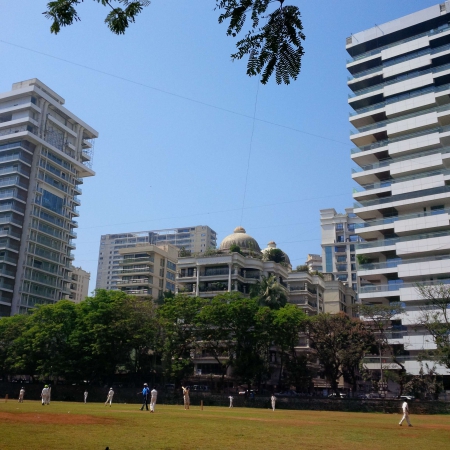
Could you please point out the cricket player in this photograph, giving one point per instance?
(186, 397)
(45, 395)
(154, 395)
(21, 394)
(145, 394)
(110, 397)
(405, 409)
(85, 396)
(231, 401)
(273, 399)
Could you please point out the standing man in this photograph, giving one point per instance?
(231, 401)
(45, 396)
(405, 409)
(154, 395)
(145, 394)
(273, 399)
(186, 397)
(21, 394)
(110, 397)
(85, 396)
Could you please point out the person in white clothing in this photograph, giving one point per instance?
(85, 396)
(231, 401)
(153, 396)
(186, 398)
(21, 394)
(405, 409)
(45, 395)
(110, 396)
(273, 399)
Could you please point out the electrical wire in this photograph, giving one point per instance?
(173, 94)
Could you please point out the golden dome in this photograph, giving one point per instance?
(240, 238)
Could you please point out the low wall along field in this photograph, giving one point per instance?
(132, 396)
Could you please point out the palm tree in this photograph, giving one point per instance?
(270, 292)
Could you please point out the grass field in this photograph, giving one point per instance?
(76, 426)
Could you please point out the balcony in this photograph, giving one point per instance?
(395, 240)
(6, 286)
(133, 281)
(8, 259)
(400, 197)
(138, 292)
(147, 259)
(378, 50)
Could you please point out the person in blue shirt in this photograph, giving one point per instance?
(145, 397)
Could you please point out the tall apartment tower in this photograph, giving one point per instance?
(45, 152)
(338, 244)
(195, 239)
(401, 101)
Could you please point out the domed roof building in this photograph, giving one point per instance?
(239, 237)
(271, 245)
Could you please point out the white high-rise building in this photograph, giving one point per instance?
(196, 239)
(45, 152)
(401, 101)
(338, 245)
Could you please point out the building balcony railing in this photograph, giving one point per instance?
(388, 359)
(383, 123)
(378, 50)
(133, 281)
(214, 272)
(368, 288)
(399, 261)
(138, 291)
(416, 176)
(8, 259)
(138, 269)
(7, 286)
(148, 259)
(400, 97)
(395, 240)
(392, 219)
(403, 77)
(405, 196)
(403, 137)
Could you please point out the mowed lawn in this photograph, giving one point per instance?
(77, 426)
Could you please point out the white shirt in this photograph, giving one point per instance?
(22, 391)
(110, 393)
(405, 407)
(154, 393)
(45, 392)
(86, 394)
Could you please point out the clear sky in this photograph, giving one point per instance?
(164, 158)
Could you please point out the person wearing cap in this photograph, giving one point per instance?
(21, 394)
(45, 395)
(110, 396)
(145, 394)
(154, 395)
(85, 396)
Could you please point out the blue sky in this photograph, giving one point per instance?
(165, 160)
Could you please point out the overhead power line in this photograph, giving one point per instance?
(173, 94)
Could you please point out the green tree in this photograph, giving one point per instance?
(177, 319)
(435, 317)
(269, 292)
(251, 327)
(289, 324)
(275, 46)
(46, 346)
(215, 331)
(12, 358)
(275, 255)
(340, 343)
(379, 319)
(113, 331)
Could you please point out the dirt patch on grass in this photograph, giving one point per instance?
(55, 419)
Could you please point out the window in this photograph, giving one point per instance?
(351, 226)
(353, 267)
(171, 265)
(329, 259)
(339, 249)
(162, 262)
(341, 258)
(171, 276)
(354, 238)
(339, 226)
(340, 239)
(170, 286)
(52, 202)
